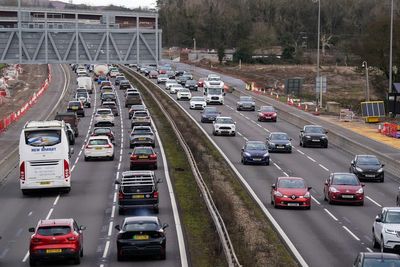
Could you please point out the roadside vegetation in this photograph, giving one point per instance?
(254, 239)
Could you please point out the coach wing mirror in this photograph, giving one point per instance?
(273, 186)
(326, 132)
(165, 225)
(378, 218)
(31, 230)
(117, 227)
(352, 162)
(223, 93)
(326, 182)
(117, 182)
(309, 188)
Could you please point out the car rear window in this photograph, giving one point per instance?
(141, 114)
(291, 183)
(128, 189)
(98, 142)
(141, 226)
(104, 111)
(53, 230)
(143, 151)
(102, 131)
(74, 104)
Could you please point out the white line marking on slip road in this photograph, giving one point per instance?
(373, 201)
(323, 167)
(301, 152)
(310, 158)
(110, 227)
(286, 174)
(56, 200)
(106, 249)
(351, 233)
(369, 250)
(330, 214)
(316, 201)
(277, 166)
(26, 257)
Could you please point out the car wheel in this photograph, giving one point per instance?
(234, 134)
(308, 207)
(238, 109)
(381, 245)
(375, 243)
(163, 254)
(155, 167)
(258, 118)
(244, 161)
(73, 142)
(25, 192)
(397, 201)
(121, 212)
(89, 106)
(382, 180)
(120, 257)
(267, 163)
(326, 145)
(300, 143)
(112, 158)
(86, 159)
(214, 133)
(81, 252)
(131, 167)
(361, 203)
(325, 199)
(32, 262)
(156, 209)
(131, 146)
(272, 200)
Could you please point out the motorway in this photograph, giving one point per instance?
(92, 202)
(326, 235)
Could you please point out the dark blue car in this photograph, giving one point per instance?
(255, 152)
(209, 114)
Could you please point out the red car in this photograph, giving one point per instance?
(200, 82)
(290, 192)
(106, 131)
(344, 188)
(56, 239)
(143, 156)
(267, 113)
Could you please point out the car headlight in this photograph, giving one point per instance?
(333, 189)
(307, 136)
(246, 154)
(359, 169)
(360, 191)
(307, 195)
(323, 137)
(272, 144)
(380, 170)
(289, 144)
(278, 194)
(266, 155)
(390, 231)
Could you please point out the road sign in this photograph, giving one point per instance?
(293, 85)
(320, 81)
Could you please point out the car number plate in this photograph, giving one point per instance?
(142, 138)
(44, 183)
(138, 196)
(257, 159)
(55, 250)
(370, 175)
(143, 157)
(140, 237)
(347, 196)
(315, 140)
(293, 204)
(280, 146)
(74, 108)
(99, 148)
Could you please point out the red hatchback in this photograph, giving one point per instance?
(267, 113)
(290, 192)
(56, 239)
(143, 156)
(343, 188)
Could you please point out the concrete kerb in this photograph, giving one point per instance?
(348, 145)
(10, 161)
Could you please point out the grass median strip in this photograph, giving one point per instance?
(202, 241)
(255, 241)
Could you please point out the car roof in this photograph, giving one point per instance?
(141, 218)
(98, 137)
(378, 255)
(366, 156)
(392, 208)
(52, 222)
(141, 127)
(290, 178)
(108, 109)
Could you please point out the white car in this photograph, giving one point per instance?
(114, 73)
(99, 147)
(386, 229)
(169, 83)
(130, 90)
(175, 88)
(162, 78)
(197, 102)
(184, 94)
(103, 116)
(224, 126)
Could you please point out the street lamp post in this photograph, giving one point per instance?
(391, 48)
(318, 43)
(365, 65)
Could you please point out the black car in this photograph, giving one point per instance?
(209, 114)
(77, 107)
(279, 142)
(191, 85)
(182, 79)
(377, 259)
(255, 152)
(124, 84)
(108, 96)
(246, 103)
(71, 118)
(111, 105)
(367, 167)
(313, 135)
(141, 236)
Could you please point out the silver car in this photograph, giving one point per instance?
(140, 117)
(141, 136)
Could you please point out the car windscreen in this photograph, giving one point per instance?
(344, 179)
(392, 217)
(291, 183)
(367, 161)
(256, 146)
(267, 109)
(381, 262)
(224, 121)
(140, 226)
(53, 230)
(184, 91)
(279, 137)
(317, 130)
(43, 138)
(98, 142)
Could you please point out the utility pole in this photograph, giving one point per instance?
(391, 48)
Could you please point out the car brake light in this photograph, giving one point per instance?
(66, 169)
(120, 195)
(36, 240)
(88, 147)
(22, 171)
(155, 194)
(108, 146)
(153, 156)
(134, 156)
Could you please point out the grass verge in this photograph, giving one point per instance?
(253, 236)
(202, 242)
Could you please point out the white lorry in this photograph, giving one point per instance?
(85, 82)
(214, 90)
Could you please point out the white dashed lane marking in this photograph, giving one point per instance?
(373, 201)
(316, 201)
(351, 233)
(323, 167)
(330, 214)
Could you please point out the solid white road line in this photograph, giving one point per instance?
(106, 249)
(310, 158)
(351, 233)
(373, 201)
(313, 198)
(49, 214)
(369, 250)
(330, 214)
(277, 166)
(56, 200)
(26, 257)
(323, 167)
(301, 152)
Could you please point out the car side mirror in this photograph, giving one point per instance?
(352, 163)
(31, 230)
(326, 182)
(290, 139)
(383, 165)
(326, 132)
(117, 182)
(165, 225)
(129, 153)
(117, 227)
(362, 185)
(223, 93)
(301, 131)
(273, 186)
(378, 218)
(309, 188)
(242, 149)
(82, 227)
(71, 150)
